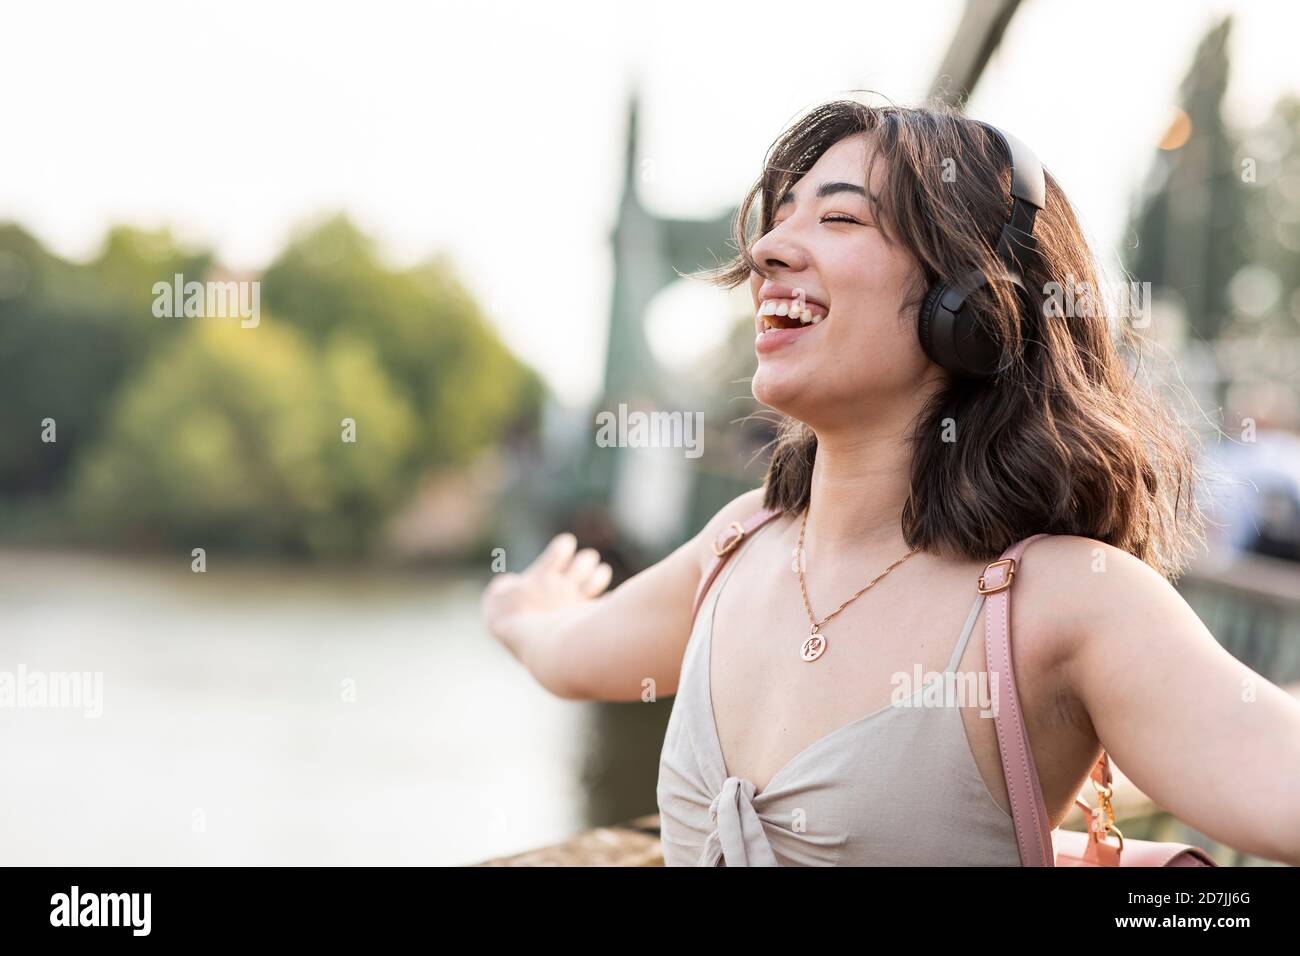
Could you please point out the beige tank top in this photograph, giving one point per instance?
(897, 787)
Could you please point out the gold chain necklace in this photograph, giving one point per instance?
(814, 646)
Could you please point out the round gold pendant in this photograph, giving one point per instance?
(813, 647)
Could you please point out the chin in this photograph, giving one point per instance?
(781, 390)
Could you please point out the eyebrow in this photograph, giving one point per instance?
(827, 189)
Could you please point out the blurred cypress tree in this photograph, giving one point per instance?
(1189, 221)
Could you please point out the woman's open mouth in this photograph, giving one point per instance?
(780, 321)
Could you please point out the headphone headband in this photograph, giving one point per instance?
(949, 334)
(1027, 182)
(1028, 192)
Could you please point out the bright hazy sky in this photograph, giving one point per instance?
(495, 130)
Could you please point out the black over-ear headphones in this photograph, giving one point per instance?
(950, 332)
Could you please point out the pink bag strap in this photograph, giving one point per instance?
(725, 546)
(1028, 812)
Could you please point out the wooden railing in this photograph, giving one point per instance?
(635, 843)
(1252, 608)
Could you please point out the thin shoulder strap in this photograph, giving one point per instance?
(725, 546)
(1028, 812)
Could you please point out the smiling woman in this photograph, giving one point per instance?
(935, 414)
(1050, 444)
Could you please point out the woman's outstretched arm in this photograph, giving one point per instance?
(582, 642)
(1200, 733)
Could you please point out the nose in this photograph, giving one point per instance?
(780, 248)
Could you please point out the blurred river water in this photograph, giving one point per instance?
(269, 715)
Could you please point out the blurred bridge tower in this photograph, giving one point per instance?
(649, 492)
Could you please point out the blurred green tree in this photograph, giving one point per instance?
(429, 334)
(199, 432)
(69, 336)
(235, 440)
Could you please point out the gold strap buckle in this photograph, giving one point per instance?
(1009, 564)
(731, 543)
(1103, 816)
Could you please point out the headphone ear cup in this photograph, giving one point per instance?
(925, 325)
(950, 333)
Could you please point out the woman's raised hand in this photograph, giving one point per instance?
(584, 642)
(560, 577)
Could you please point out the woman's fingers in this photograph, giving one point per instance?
(557, 554)
(583, 569)
(599, 580)
(583, 563)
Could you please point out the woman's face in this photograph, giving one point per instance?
(861, 354)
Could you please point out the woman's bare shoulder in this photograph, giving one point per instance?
(1068, 585)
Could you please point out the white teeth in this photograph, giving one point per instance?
(775, 307)
(787, 307)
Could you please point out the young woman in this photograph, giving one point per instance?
(893, 469)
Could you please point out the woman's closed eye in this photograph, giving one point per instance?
(832, 217)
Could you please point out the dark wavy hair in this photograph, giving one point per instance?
(1067, 439)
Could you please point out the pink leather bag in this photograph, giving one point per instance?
(1033, 836)
(1071, 848)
